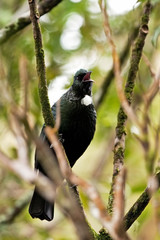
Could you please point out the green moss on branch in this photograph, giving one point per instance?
(40, 63)
(141, 203)
(134, 64)
(103, 235)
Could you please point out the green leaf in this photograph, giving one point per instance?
(155, 37)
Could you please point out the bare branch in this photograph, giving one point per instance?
(119, 80)
(103, 159)
(19, 135)
(100, 95)
(24, 77)
(152, 91)
(22, 170)
(119, 204)
(150, 153)
(149, 65)
(71, 207)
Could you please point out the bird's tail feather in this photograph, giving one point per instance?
(41, 208)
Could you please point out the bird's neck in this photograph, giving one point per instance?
(79, 95)
(81, 99)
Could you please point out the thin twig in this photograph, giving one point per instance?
(151, 93)
(146, 60)
(155, 86)
(20, 136)
(119, 80)
(103, 158)
(100, 95)
(150, 153)
(24, 77)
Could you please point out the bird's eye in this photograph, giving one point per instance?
(80, 77)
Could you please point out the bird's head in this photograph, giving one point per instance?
(82, 84)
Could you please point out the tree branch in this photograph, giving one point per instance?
(138, 207)
(43, 91)
(119, 204)
(44, 7)
(74, 210)
(28, 175)
(119, 146)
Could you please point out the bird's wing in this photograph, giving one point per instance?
(46, 141)
(39, 206)
(38, 151)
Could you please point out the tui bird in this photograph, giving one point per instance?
(77, 127)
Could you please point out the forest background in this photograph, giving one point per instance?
(73, 38)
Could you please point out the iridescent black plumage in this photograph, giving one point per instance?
(78, 121)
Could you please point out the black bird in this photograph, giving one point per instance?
(77, 127)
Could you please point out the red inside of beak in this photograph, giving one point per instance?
(87, 77)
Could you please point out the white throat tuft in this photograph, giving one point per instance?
(87, 100)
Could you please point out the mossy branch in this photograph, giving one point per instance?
(134, 64)
(10, 30)
(138, 207)
(119, 147)
(40, 64)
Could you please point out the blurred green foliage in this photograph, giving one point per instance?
(73, 38)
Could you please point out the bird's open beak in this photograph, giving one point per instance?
(87, 78)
